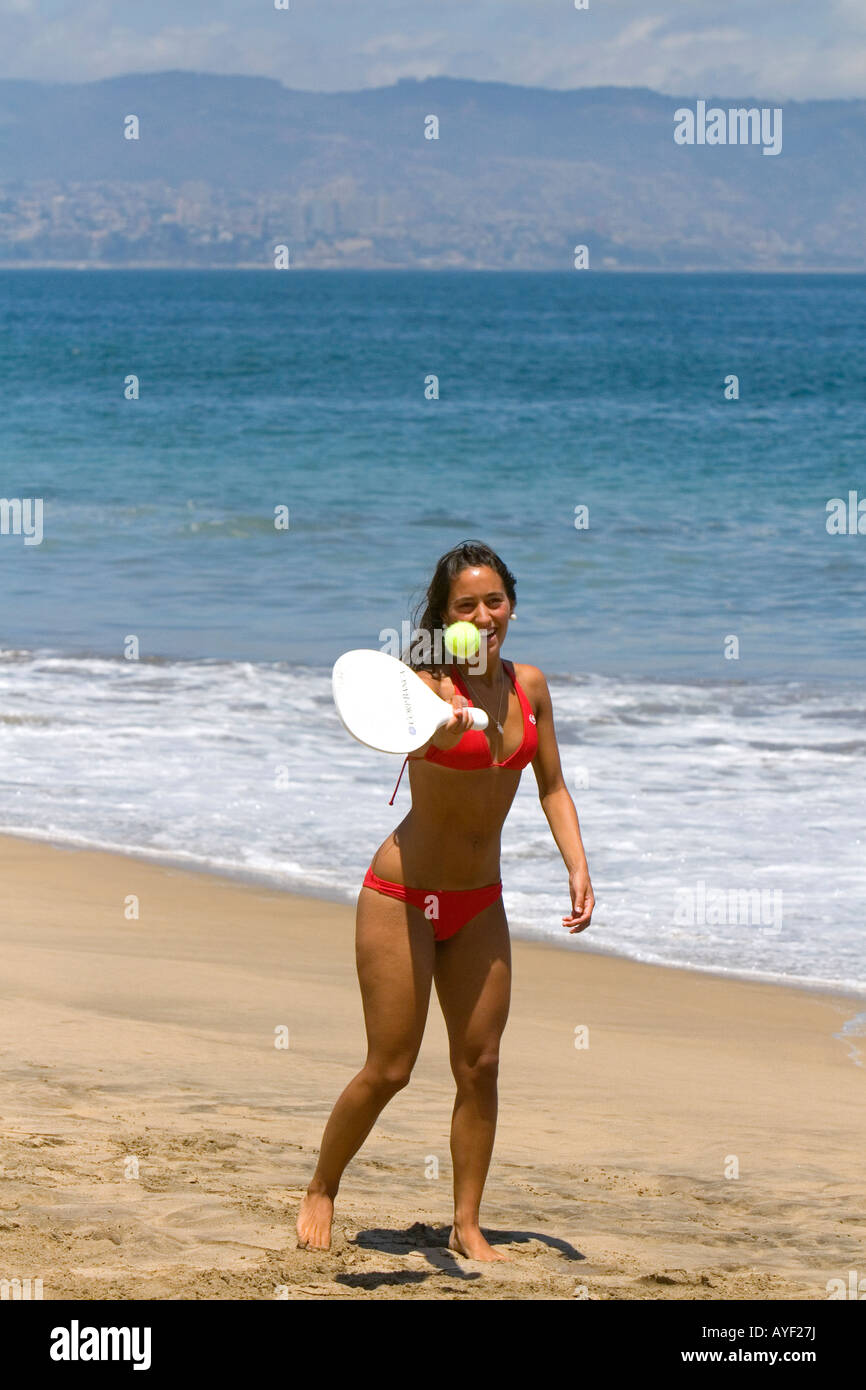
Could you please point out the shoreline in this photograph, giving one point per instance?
(256, 879)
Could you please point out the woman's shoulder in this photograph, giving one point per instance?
(531, 680)
(530, 677)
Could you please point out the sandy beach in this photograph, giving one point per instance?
(156, 1142)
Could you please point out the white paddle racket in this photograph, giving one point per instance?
(385, 705)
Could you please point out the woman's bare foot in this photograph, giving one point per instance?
(314, 1221)
(468, 1241)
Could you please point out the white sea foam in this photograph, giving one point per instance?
(245, 768)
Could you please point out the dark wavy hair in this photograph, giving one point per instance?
(430, 613)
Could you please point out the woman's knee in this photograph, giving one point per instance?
(389, 1075)
(478, 1071)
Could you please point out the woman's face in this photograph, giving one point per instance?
(477, 596)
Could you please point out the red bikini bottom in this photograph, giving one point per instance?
(448, 910)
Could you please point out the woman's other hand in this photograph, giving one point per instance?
(582, 900)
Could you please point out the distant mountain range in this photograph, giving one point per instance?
(227, 168)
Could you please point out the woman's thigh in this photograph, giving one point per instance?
(395, 952)
(473, 982)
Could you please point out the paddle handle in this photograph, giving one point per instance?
(479, 718)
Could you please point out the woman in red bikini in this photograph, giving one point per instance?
(430, 909)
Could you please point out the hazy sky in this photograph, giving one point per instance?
(772, 48)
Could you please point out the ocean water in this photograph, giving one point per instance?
(721, 800)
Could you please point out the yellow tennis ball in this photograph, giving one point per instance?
(462, 640)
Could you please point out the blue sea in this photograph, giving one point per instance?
(704, 636)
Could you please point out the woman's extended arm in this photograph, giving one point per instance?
(558, 806)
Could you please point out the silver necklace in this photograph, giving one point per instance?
(499, 708)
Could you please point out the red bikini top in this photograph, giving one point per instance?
(472, 753)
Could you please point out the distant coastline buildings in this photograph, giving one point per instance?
(226, 168)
